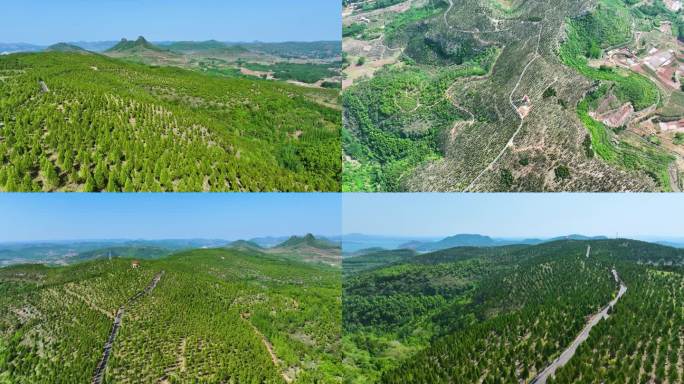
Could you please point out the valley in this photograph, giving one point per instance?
(480, 95)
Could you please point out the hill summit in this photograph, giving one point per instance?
(309, 240)
(245, 245)
(65, 47)
(139, 44)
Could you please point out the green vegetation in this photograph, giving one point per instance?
(317, 50)
(210, 319)
(562, 172)
(73, 122)
(678, 138)
(503, 314)
(371, 5)
(398, 25)
(635, 157)
(64, 47)
(607, 26)
(374, 259)
(549, 92)
(207, 47)
(641, 341)
(396, 121)
(353, 29)
(306, 73)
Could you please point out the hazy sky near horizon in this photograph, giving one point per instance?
(45, 22)
(515, 215)
(230, 216)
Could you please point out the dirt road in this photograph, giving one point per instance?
(102, 365)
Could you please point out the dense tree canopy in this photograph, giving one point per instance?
(104, 125)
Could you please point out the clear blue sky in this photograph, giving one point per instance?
(515, 215)
(230, 216)
(46, 22)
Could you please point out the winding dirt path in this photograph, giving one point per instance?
(269, 347)
(583, 336)
(98, 375)
(510, 142)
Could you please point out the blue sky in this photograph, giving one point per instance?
(230, 216)
(515, 215)
(49, 21)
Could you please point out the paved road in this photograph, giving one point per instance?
(102, 365)
(570, 351)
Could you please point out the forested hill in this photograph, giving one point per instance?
(502, 314)
(73, 122)
(214, 316)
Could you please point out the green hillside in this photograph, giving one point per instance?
(499, 96)
(500, 315)
(72, 122)
(206, 47)
(64, 47)
(212, 317)
(374, 259)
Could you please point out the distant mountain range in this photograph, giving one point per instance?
(473, 240)
(310, 50)
(69, 252)
(356, 244)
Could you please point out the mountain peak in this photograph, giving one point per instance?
(308, 240)
(129, 45)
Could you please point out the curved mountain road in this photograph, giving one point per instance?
(584, 335)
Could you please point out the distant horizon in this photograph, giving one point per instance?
(168, 41)
(124, 239)
(518, 237)
(342, 237)
(66, 217)
(515, 215)
(170, 20)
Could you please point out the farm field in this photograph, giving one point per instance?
(128, 120)
(565, 311)
(233, 314)
(487, 95)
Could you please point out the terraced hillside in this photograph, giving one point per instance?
(212, 315)
(508, 314)
(487, 95)
(85, 122)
